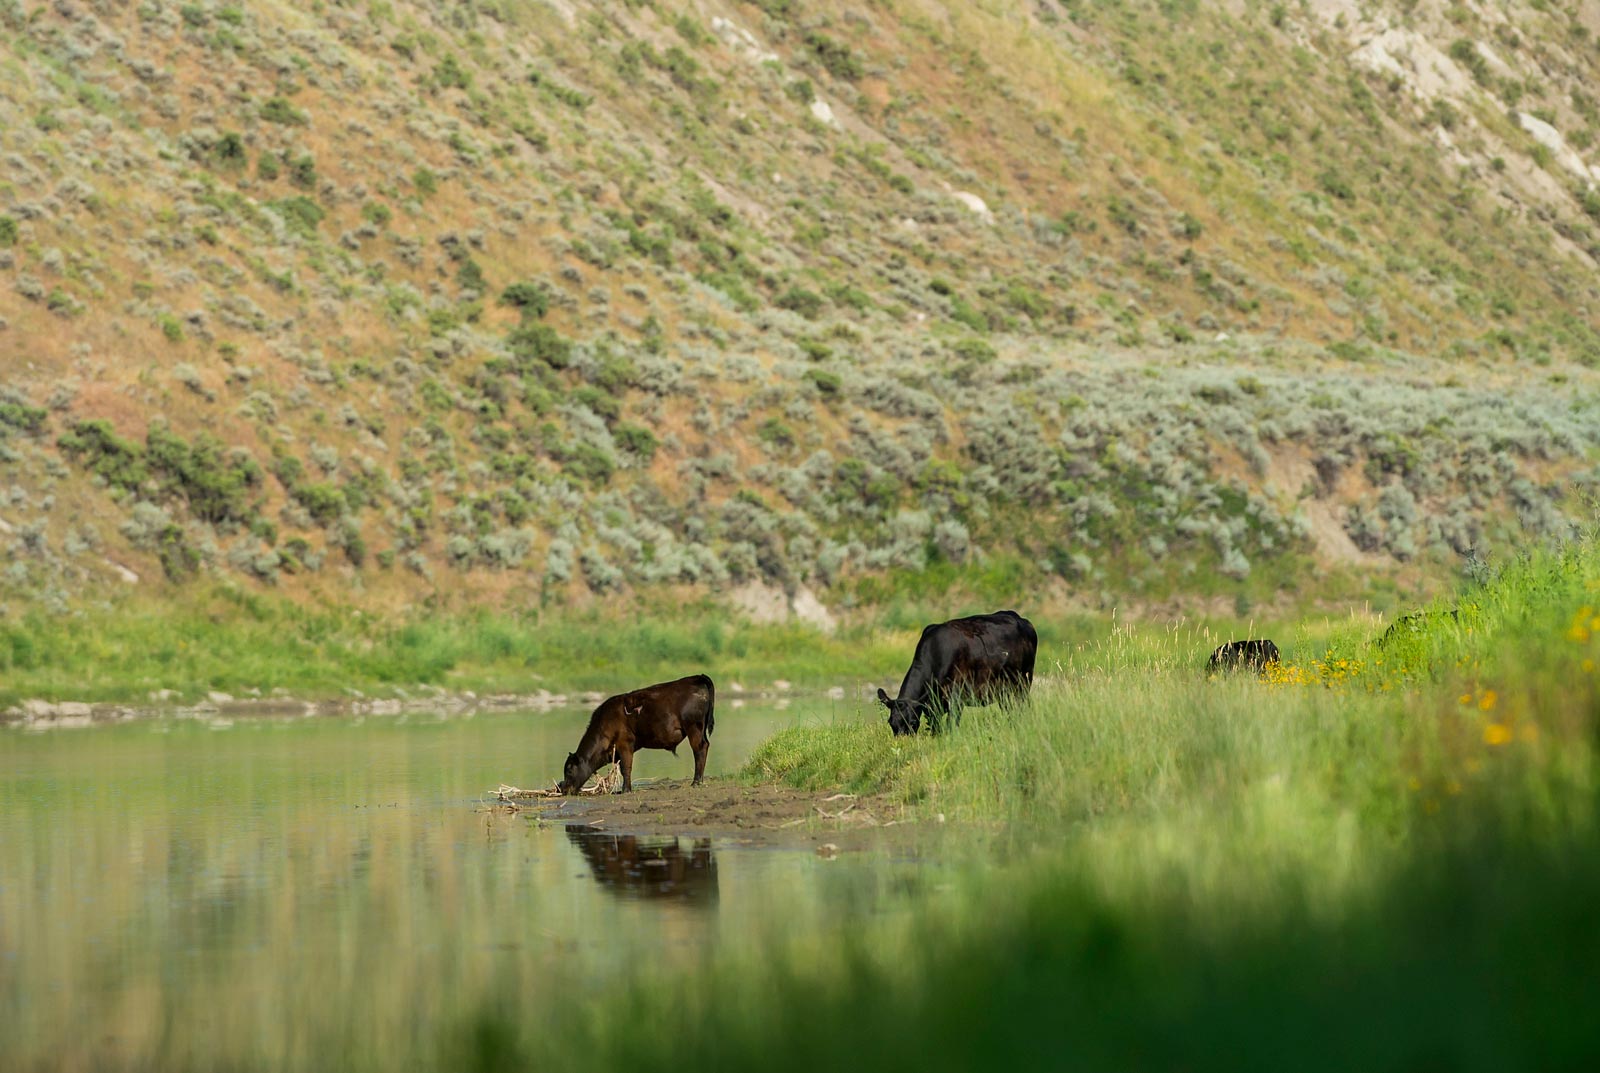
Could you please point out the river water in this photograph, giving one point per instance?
(178, 890)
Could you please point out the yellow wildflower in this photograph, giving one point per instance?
(1496, 734)
(1466, 698)
(1486, 702)
(1583, 623)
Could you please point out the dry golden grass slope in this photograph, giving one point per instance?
(528, 301)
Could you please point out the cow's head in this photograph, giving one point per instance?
(573, 776)
(903, 715)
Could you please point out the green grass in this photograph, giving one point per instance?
(1341, 707)
(1386, 866)
(224, 638)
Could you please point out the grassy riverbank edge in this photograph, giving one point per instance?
(258, 648)
(262, 648)
(1522, 624)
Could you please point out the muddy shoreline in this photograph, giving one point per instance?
(764, 814)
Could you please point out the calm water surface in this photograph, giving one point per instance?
(177, 890)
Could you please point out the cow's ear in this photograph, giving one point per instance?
(883, 698)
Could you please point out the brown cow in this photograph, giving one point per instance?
(655, 717)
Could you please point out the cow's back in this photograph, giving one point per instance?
(665, 714)
(1005, 634)
(981, 650)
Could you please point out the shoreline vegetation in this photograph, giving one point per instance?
(258, 650)
(1531, 621)
(265, 650)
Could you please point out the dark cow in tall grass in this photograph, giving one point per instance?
(656, 717)
(1418, 624)
(977, 660)
(1255, 656)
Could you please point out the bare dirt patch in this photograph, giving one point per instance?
(1328, 532)
(754, 814)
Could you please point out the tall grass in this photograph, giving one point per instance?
(1233, 786)
(1131, 721)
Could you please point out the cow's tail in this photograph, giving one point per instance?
(711, 703)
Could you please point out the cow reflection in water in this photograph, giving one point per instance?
(649, 867)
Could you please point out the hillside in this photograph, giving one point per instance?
(523, 302)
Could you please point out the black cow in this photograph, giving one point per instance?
(1240, 655)
(1418, 623)
(976, 660)
(655, 717)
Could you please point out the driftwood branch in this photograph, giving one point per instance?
(510, 797)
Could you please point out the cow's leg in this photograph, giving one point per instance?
(700, 742)
(625, 762)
